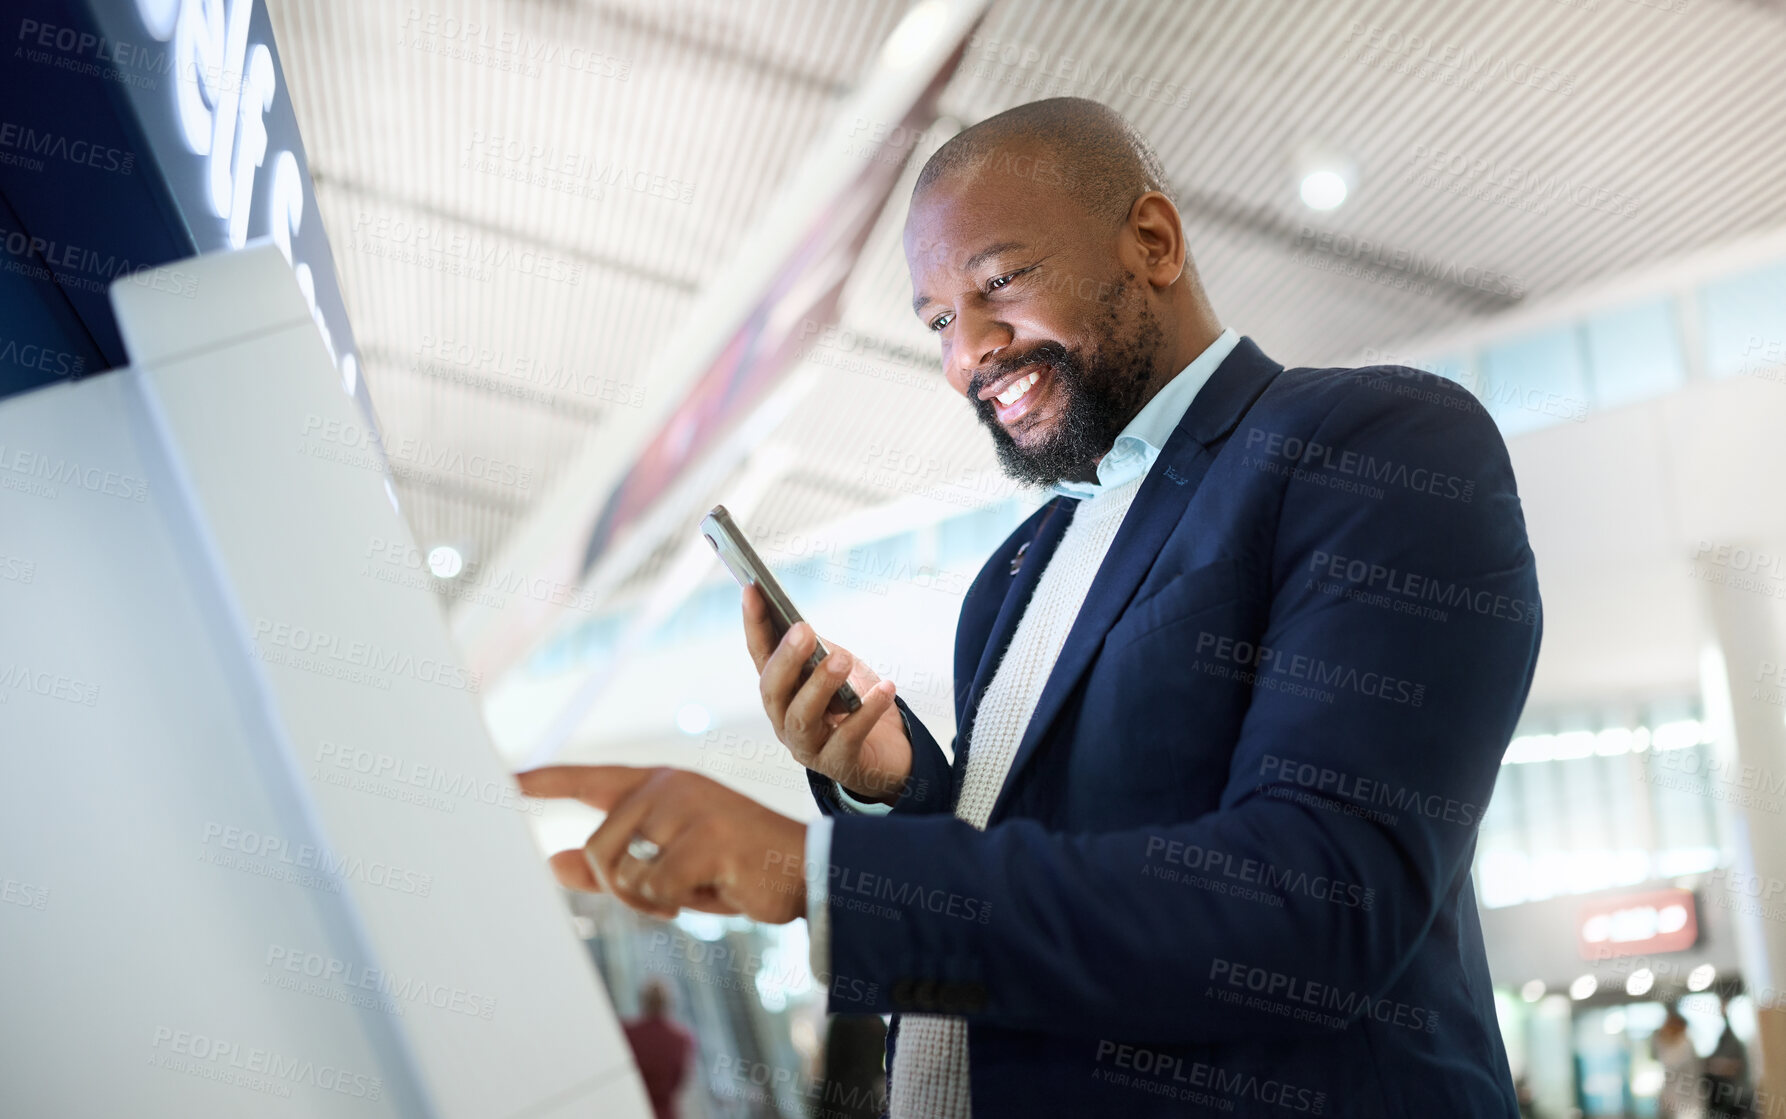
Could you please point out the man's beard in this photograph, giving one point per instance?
(1097, 394)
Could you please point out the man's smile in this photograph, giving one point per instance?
(1017, 395)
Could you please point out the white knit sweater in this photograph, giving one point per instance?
(930, 1078)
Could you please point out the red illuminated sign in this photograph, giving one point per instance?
(1638, 924)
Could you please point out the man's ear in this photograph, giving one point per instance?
(1157, 237)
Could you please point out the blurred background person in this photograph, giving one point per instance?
(1680, 1063)
(1727, 1073)
(662, 1047)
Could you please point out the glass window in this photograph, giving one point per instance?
(1546, 810)
(1634, 353)
(1501, 845)
(964, 542)
(1535, 381)
(1681, 794)
(1745, 327)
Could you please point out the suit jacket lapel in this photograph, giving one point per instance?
(1158, 507)
(1051, 525)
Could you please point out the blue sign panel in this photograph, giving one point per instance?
(134, 133)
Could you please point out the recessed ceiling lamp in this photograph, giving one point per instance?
(1323, 190)
(692, 718)
(1325, 178)
(446, 562)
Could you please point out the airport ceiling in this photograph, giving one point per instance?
(1498, 154)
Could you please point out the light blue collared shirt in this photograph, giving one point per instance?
(1133, 454)
(1139, 443)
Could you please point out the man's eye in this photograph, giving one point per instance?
(941, 321)
(1000, 281)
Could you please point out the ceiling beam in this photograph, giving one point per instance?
(788, 269)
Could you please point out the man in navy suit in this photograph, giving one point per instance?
(1204, 845)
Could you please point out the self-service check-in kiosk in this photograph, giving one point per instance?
(258, 855)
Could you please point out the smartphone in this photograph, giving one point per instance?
(747, 567)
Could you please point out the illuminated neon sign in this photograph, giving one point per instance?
(1639, 924)
(224, 84)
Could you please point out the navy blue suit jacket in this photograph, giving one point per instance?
(1229, 870)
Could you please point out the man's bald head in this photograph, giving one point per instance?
(1105, 164)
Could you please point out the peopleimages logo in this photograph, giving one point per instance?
(1310, 455)
(117, 60)
(569, 172)
(758, 1082)
(719, 964)
(1406, 262)
(1171, 1076)
(29, 355)
(515, 374)
(72, 266)
(24, 894)
(409, 780)
(398, 556)
(85, 153)
(1502, 180)
(16, 570)
(331, 970)
(1293, 996)
(330, 654)
(15, 677)
(1242, 872)
(255, 1067)
(1367, 576)
(468, 40)
(409, 457)
(239, 848)
(41, 472)
(1260, 663)
(1364, 790)
(1463, 61)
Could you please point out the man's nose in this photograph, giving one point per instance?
(978, 343)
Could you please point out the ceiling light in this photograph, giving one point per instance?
(1533, 991)
(1324, 176)
(1583, 987)
(446, 562)
(1573, 744)
(1530, 748)
(1640, 982)
(1323, 190)
(692, 718)
(916, 34)
(1679, 735)
(1701, 977)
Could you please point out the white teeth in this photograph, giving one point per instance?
(1018, 388)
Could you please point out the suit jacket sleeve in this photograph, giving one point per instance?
(926, 791)
(1378, 787)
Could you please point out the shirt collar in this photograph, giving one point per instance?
(1139, 444)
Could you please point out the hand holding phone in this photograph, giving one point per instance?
(865, 748)
(749, 569)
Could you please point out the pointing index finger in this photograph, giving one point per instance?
(599, 786)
